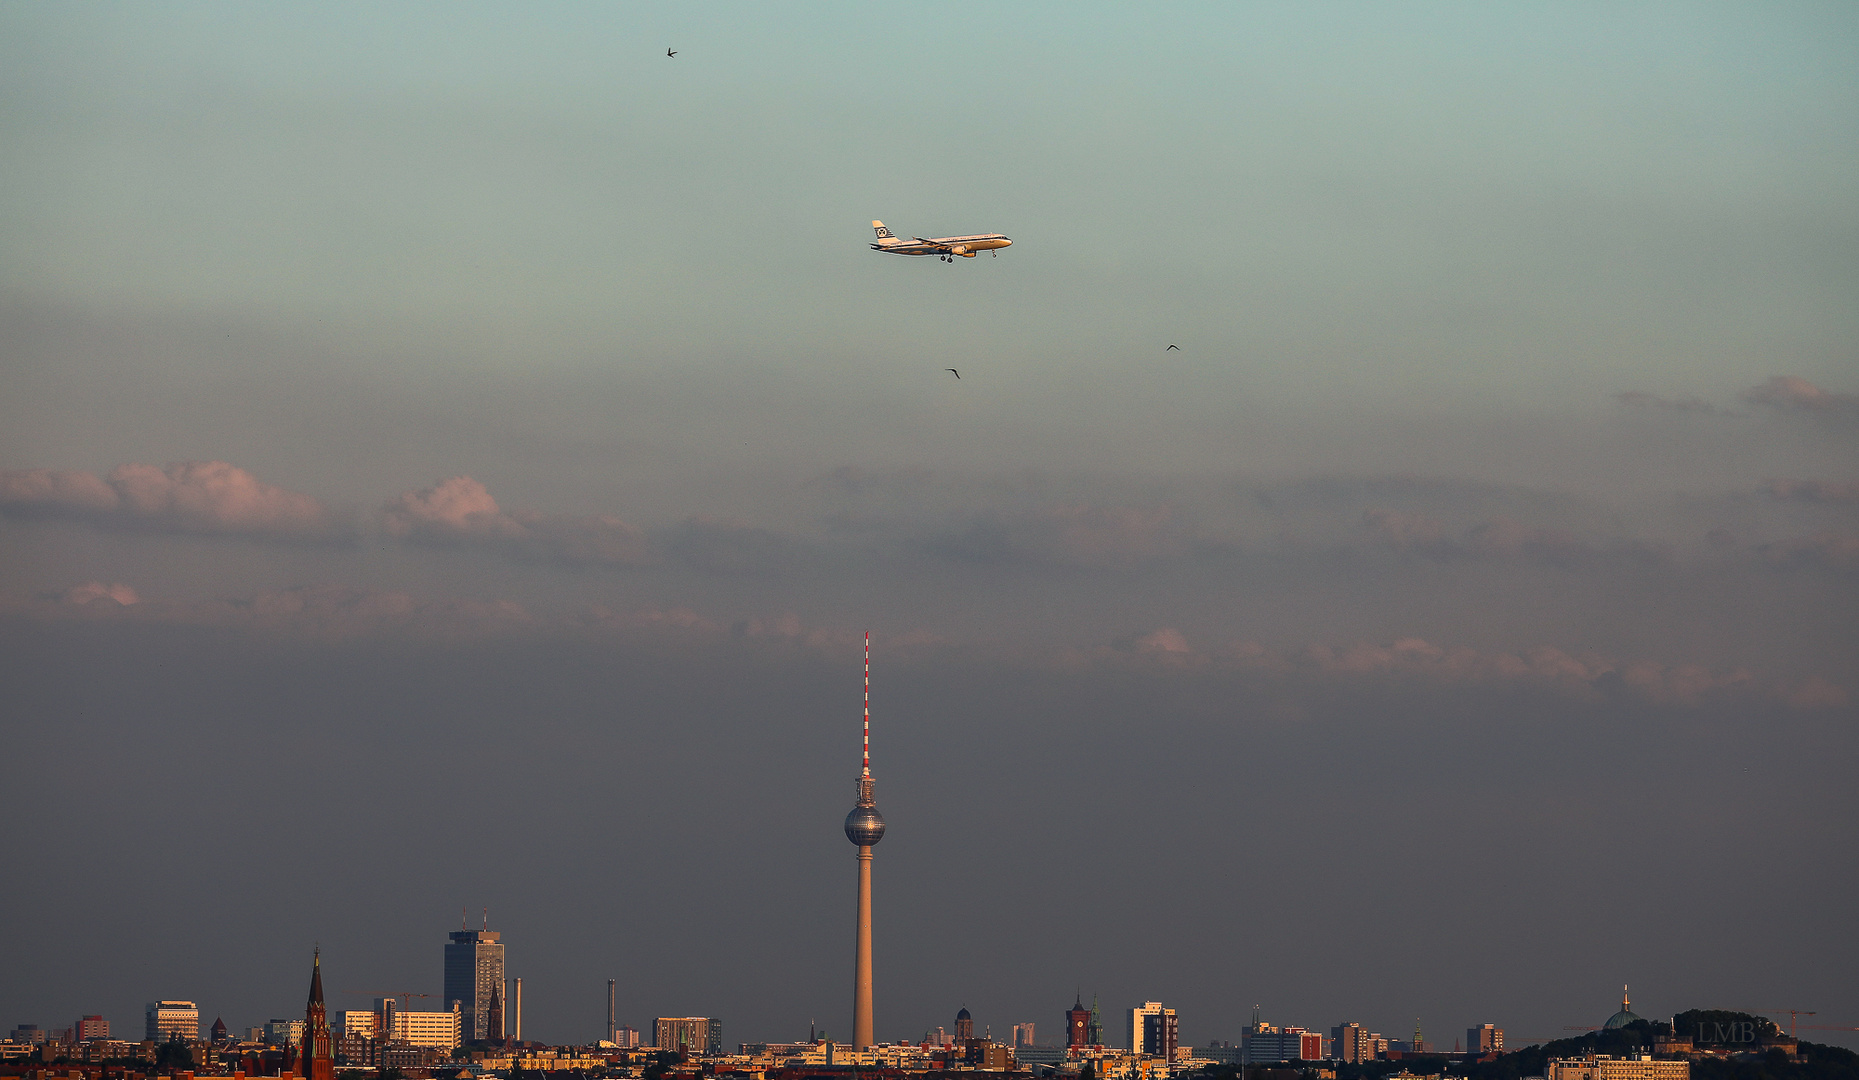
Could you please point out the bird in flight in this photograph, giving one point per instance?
(953, 372)
(1177, 348)
(671, 52)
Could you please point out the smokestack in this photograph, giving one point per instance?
(610, 1029)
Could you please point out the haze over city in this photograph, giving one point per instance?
(450, 456)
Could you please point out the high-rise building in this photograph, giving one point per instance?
(167, 1020)
(864, 827)
(1023, 1035)
(285, 1032)
(1077, 1024)
(360, 1023)
(1137, 1017)
(625, 1037)
(1154, 1030)
(473, 970)
(689, 1034)
(319, 1059)
(1353, 1043)
(91, 1027)
(1484, 1039)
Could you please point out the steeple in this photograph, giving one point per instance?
(318, 1059)
(316, 978)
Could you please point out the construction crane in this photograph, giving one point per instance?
(1792, 1013)
(403, 995)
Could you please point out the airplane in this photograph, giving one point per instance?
(946, 248)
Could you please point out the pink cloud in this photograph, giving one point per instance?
(206, 497)
(461, 511)
(1791, 392)
(116, 592)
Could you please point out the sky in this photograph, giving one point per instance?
(450, 454)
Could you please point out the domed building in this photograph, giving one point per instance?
(1624, 1017)
(964, 1025)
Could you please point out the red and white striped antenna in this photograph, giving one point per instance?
(866, 770)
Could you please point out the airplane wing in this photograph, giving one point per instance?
(932, 243)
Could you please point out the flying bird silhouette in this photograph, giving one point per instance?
(1177, 348)
(671, 52)
(953, 372)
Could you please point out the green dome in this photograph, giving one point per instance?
(1624, 1017)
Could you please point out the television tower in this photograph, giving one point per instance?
(864, 827)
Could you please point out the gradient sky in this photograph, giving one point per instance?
(448, 455)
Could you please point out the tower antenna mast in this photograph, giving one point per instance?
(865, 770)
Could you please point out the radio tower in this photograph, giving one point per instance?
(864, 827)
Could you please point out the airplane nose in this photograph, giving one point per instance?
(1006, 242)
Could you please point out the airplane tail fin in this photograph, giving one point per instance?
(883, 233)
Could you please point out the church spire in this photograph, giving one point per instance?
(316, 978)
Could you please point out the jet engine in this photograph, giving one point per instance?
(961, 250)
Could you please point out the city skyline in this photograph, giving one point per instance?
(453, 455)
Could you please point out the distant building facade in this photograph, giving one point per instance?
(625, 1038)
(91, 1027)
(473, 973)
(688, 1034)
(964, 1025)
(1264, 1043)
(1138, 1018)
(1484, 1039)
(165, 1020)
(283, 1032)
(1602, 1067)
(443, 1030)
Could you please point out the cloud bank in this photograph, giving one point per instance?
(199, 497)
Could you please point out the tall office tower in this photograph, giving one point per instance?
(1077, 1024)
(610, 1031)
(171, 1020)
(473, 966)
(625, 1037)
(1484, 1039)
(964, 1025)
(319, 1059)
(1137, 1016)
(1352, 1043)
(864, 827)
(1023, 1035)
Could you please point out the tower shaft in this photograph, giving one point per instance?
(861, 966)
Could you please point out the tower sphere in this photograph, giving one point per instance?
(864, 826)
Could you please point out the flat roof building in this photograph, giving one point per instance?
(167, 1019)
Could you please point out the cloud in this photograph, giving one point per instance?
(202, 497)
(117, 593)
(1584, 673)
(1827, 548)
(1499, 538)
(1640, 399)
(1818, 491)
(1075, 534)
(460, 511)
(1790, 392)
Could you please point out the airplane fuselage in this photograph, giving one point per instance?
(946, 247)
